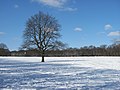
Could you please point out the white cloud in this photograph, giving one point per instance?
(2, 33)
(108, 27)
(16, 6)
(53, 3)
(69, 9)
(78, 29)
(56, 3)
(117, 33)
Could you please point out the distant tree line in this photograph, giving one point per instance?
(103, 50)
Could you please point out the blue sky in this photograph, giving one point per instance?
(84, 22)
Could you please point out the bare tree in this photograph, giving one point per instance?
(3, 46)
(42, 32)
(4, 51)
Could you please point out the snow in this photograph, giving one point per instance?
(60, 73)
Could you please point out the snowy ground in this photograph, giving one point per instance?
(60, 73)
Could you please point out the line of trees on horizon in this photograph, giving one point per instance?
(103, 50)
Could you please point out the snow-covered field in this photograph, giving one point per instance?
(60, 73)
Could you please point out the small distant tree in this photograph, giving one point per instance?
(3, 46)
(4, 51)
(42, 32)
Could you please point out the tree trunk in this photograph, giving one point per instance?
(43, 57)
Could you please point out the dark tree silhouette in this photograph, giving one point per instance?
(4, 51)
(3, 46)
(42, 32)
